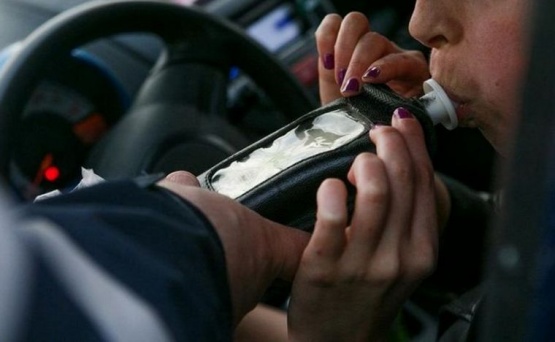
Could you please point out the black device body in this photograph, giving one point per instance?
(289, 197)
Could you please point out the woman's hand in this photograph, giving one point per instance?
(354, 276)
(350, 54)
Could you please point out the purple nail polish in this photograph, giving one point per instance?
(328, 61)
(352, 85)
(373, 72)
(402, 113)
(341, 76)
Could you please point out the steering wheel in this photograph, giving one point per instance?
(181, 105)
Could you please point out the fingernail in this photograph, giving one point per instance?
(373, 72)
(402, 113)
(352, 85)
(341, 76)
(329, 61)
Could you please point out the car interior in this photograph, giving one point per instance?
(132, 87)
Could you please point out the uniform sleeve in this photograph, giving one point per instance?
(124, 261)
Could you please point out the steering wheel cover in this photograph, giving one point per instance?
(85, 23)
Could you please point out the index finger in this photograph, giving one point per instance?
(326, 36)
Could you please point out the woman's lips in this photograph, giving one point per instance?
(460, 104)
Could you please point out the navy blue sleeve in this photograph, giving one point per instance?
(159, 247)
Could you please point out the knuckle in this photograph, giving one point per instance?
(374, 39)
(321, 278)
(328, 28)
(403, 57)
(325, 37)
(354, 276)
(387, 271)
(383, 135)
(422, 265)
(327, 219)
(356, 18)
(374, 192)
(332, 18)
(389, 132)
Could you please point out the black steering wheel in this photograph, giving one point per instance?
(181, 106)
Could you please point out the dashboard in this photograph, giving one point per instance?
(72, 108)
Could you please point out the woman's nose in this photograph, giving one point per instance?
(433, 24)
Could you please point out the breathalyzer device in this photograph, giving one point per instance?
(278, 176)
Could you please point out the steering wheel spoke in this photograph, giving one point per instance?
(189, 76)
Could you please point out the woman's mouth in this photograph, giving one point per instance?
(461, 105)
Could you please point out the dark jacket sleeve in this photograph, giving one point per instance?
(149, 242)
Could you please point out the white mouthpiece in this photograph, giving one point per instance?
(438, 105)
